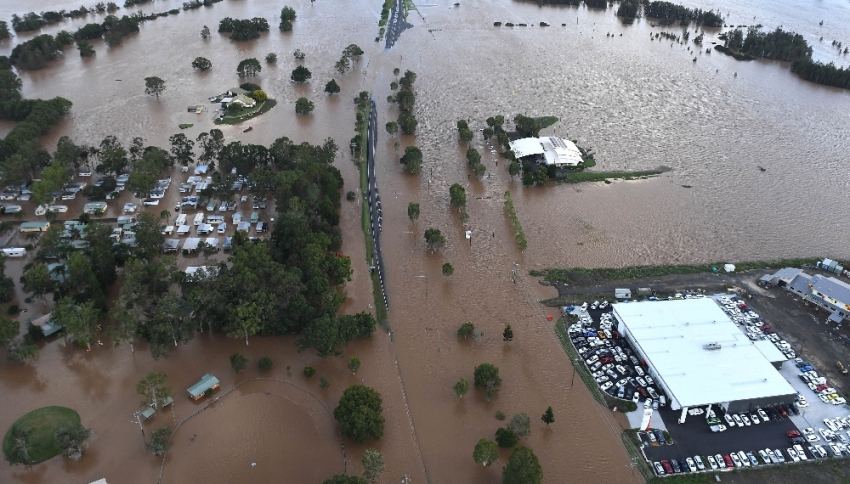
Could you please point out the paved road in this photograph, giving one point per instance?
(374, 198)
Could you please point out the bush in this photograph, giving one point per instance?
(350, 195)
(239, 362)
(250, 87)
(505, 438)
(265, 363)
(466, 329)
(500, 415)
(309, 371)
(324, 383)
(14, 309)
(359, 414)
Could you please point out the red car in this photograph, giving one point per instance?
(606, 360)
(728, 461)
(793, 433)
(783, 412)
(822, 387)
(643, 392)
(668, 469)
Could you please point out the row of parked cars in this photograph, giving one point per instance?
(611, 361)
(818, 384)
(752, 324)
(740, 459)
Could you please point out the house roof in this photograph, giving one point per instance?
(832, 288)
(191, 243)
(207, 381)
(786, 274)
(526, 147)
(672, 335)
(244, 100)
(801, 282)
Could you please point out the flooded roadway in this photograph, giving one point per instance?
(640, 104)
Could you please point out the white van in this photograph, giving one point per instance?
(199, 218)
(15, 252)
(181, 220)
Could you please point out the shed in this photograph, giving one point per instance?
(148, 412)
(92, 208)
(171, 245)
(207, 382)
(623, 293)
(201, 169)
(243, 226)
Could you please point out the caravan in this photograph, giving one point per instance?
(199, 219)
(181, 220)
(15, 252)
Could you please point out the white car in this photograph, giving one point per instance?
(746, 420)
(763, 415)
(700, 465)
(755, 419)
(736, 460)
(729, 420)
(69, 196)
(793, 454)
(636, 397)
(743, 457)
(712, 463)
(737, 419)
(606, 385)
(810, 435)
(130, 207)
(85, 173)
(720, 462)
(150, 201)
(800, 453)
(691, 466)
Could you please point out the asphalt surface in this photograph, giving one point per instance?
(396, 24)
(374, 198)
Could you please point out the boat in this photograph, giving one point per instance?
(249, 128)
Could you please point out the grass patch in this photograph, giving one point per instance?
(546, 121)
(520, 235)
(607, 176)
(588, 163)
(581, 276)
(185, 125)
(43, 423)
(247, 114)
(696, 479)
(385, 14)
(561, 331)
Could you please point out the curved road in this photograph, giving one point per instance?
(374, 198)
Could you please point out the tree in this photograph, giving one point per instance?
(342, 65)
(73, 440)
(309, 371)
(21, 349)
(541, 176)
(345, 479)
(8, 330)
(548, 416)
(466, 330)
(505, 438)
(201, 63)
(239, 362)
(271, 57)
(181, 148)
(373, 465)
(412, 159)
(448, 269)
(303, 106)
(324, 383)
(522, 468)
(487, 378)
(508, 333)
(299, 56)
(461, 387)
(79, 319)
(300, 75)
(458, 195)
(153, 389)
(434, 239)
(4, 30)
(354, 364)
(154, 86)
(520, 424)
(205, 33)
(485, 453)
(353, 50)
(265, 363)
(359, 414)
(248, 322)
(392, 128)
(407, 122)
(332, 87)
(249, 68)
(20, 446)
(85, 48)
(259, 95)
(160, 440)
(413, 211)
(514, 168)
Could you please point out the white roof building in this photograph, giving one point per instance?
(673, 338)
(554, 151)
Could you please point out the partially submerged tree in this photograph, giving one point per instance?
(508, 333)
(300, 75)
(466, 330)
(373, 465)
(201, 63)
(154, 389)
(303, 106)
(434, 239)
(160, 440)
(485, 453)
(359, 414)
(522, 468)
(354, 364)
(461, 387)
(487, 378)
(332, 87)
(154, 86)
(249, 68)
(457, 194)
(448, 269)
(413, 211)
(73, 440)
(548, 416)
(520, 425)
(239, 362)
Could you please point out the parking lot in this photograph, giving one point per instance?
(609, 358)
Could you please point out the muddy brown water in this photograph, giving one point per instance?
(639, 103)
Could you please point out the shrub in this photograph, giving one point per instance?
(350, 195)
(466, 329)
(265, 363)
(500, 415)
(505, 438)
(309, 371)
(14, 309)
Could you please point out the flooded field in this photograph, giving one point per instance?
(639, 103)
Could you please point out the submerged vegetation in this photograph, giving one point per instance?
(520, 235)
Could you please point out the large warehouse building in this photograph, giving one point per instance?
(698, 356)
(549, 150)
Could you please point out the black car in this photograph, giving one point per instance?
(798, 440)
(660, 435)
(792, 409)
(684, 465)
(675, 464)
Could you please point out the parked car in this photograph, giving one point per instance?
(712, 463)
(691, 464)
(149, 202)
(736, 460)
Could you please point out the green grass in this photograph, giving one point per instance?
(697, 479)
(581, 276)
(588, 163)
(247, 114)
(186, 125)
(43, 423)
(607, 176)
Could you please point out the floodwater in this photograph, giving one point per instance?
(639, 103)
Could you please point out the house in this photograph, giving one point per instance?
(47, 327)
(548, 150)
(244, 101)
(829, 293)
(207, 382)
(34, 227)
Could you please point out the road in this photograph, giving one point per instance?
(374, 198)
(396, 24)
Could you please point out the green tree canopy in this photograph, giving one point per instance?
(485, 453)
(249, 67)
(239, 362)
(154, 389)
(73, 439)
(487, 378)
(522, 468)
(373, 465)
(466, 330)
(457, 195)
(448, 269)
(505, 438)
(160, 440)
(434, 239)
(413, 211)
(461, 387)
(8, 330)
(345, 479)
(154, 86)
(300, 75)
(332, 87)
(201, 63)
(303, 106)
(508, 333)
(359, 414)
(520, 424)
(412, 159)
(392, 128)
(548, 416)
(354, 364)
(407, 122)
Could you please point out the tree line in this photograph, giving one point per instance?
(671, 12)
(818, 72)
(777, 45)
(243, 29)
(405, 97)
(590, 3)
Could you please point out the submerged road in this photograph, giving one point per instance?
(374, 198)
(395, 23)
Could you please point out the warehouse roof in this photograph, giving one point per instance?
(673, 336)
